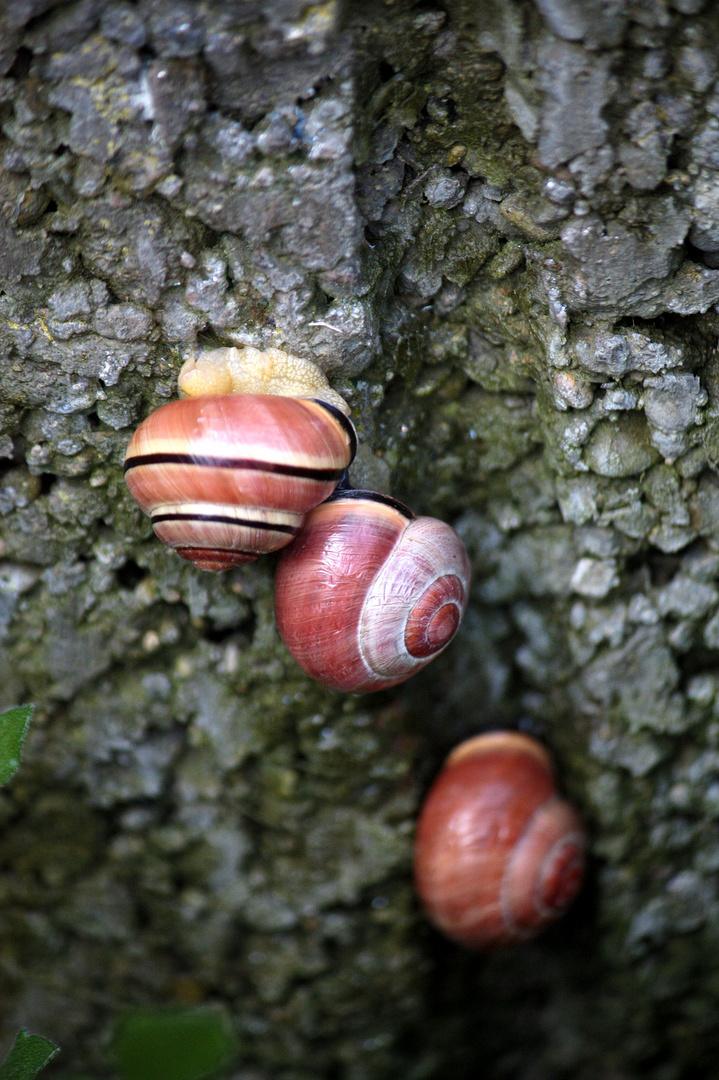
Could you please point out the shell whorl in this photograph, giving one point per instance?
(417, 599)
(368, 594)
(545, 869)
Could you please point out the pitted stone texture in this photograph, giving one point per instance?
(594, 577)
(644, 155)
(369, 188)
(621, 448)
(704, 232)
(671, 405)
(597, 23)
(638, 257)
(576, 85)
(604, 353)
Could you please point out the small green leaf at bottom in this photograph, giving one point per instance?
(28, 1055)
(13, 725)
(174, 1044)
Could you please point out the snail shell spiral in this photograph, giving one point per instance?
(368, 594)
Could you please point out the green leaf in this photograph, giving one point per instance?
(13, 725)
(174, 1044)
(29, 1053)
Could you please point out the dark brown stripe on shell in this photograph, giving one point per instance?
(228, 553)
(344, 421)
(243, 523)
(371, 496)
(301, 471)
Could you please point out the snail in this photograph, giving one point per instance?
(368, 593)
(498, 854)
(229, 472)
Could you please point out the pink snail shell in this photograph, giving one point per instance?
(368, 594)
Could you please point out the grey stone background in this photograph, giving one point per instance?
(496, 225)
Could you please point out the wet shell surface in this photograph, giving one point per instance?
(368, 594)
(226, 478)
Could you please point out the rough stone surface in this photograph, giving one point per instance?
(496, 225)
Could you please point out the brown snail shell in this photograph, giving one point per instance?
(368, 594)
(228, 477)
(499, 854)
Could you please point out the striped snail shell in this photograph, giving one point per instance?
(498, 853)
(368, 594)
(229, 473)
